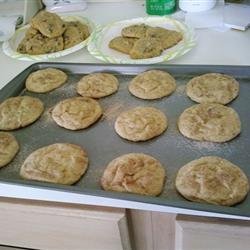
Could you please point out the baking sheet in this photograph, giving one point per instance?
(103, 145)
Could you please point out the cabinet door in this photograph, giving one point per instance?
(46, 225)
(200, 233)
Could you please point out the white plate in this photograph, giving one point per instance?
(99, 40)
(10, 46)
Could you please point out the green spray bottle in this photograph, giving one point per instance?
(160, 7)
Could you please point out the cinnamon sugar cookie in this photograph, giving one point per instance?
(141, 123)
(61, 163)
(212, 180)
(134, 173)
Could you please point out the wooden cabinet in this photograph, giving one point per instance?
(200, 233)
(27, 224)
(44, 225)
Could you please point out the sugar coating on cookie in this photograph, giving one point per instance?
(61, 163)
(49, 24)
(134, 173)
(45, 80)
(8, 148)
(76, 113)
(20, 111)
(212, 180)
(152, 84)
(209, 122)
(141, 123)
(213, 87)
(97, 85)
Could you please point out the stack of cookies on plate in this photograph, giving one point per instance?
(142, 41)
(49, 33)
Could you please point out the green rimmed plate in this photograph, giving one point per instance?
(10, 46)
(99, 40)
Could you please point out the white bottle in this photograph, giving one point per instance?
(196, 5)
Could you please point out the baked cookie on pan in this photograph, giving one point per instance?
(8, 148)
(134, 173)
(209, 122)
(61, 163)
(97, 85)
(20, 111)
(45, 80)
(152, 84)
(213, 87)
(76, 113)
(212, 180)
(141, 123)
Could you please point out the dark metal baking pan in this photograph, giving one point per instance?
(103, 144)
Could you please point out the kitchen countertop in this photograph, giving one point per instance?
(213, 47)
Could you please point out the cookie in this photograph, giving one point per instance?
(135, 30)
(83, 29)
(213, 87)
(146, 47)
(97, 85)
(71, 37)
(61, 163)
(18, 112)
(74, 34)
(49, 24)
(209, 122)
(152, 84)
(212, 180)
(76, 113)
(45, 80)
(122, 44)
(8, 148)
(30, 33)
(40, 44)
(134, 173)
(141, 123)
(167, 38)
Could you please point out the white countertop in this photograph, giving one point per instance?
(217, 48)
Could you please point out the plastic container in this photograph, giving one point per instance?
(160, 7)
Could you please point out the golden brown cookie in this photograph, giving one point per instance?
(83, 29)
(75, 33)
(141, 123)
(168, 38)
(213, 87)
(135, 30)
(146, 47)
(20, 111)
(40, 44)
(122, 44)
(212, 180)
(209, 122)
(76, 113)
(8, 148)
(134, 173)
(61, 163)
(97, 85)
(49, 24)
(30, 33)
(45, 80)
(152, 84)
